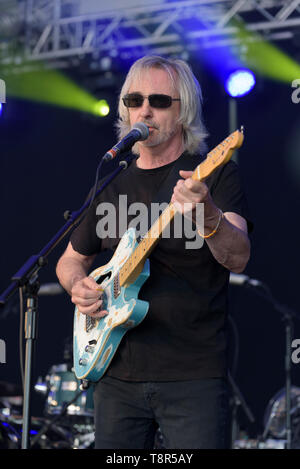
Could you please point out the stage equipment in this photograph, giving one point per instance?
(64, 391)
(287, 316)
(275, 417)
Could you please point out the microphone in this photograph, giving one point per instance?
(138, 132)
(243, 280)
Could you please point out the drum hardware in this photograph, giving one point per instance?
(84, 437)
(48, 425)
(287, 316)
(10, 405)
(275, 417)
(41, 387)
(274, 435)
(257, 444)
(63, 410)
(11, 434)
(60, 386)
(76, 431)
(11, 400)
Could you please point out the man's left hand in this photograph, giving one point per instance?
(188, 193)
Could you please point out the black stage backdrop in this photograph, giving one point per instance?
(48, 161)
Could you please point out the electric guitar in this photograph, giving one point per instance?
(96, 340)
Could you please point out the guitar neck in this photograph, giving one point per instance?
(145, 246)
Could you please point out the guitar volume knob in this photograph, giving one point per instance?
(82, 362)
(89, 348)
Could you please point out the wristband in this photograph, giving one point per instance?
(221, 215)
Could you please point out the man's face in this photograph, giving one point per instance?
(163, 123)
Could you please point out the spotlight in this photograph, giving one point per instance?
(101, 108)
(240, 83)
(1, 108)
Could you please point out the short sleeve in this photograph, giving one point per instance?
(84, 238)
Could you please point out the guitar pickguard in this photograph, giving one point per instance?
(123, 314)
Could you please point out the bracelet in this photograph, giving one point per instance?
(221, 215)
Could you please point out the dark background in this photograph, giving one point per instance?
(48, 161)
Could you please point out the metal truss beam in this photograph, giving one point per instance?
(49, 34)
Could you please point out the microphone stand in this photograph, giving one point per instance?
(27, 278)
(287, 315)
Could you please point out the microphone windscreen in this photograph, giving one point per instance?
(143, 129)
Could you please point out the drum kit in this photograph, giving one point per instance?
(274, 435)
(68, 416)
(68, 413)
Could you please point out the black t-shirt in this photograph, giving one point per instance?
(184, 333)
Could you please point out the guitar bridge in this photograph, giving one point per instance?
(117, 290)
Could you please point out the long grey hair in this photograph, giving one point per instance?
(183, 79)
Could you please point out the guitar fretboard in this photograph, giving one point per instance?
(146, 245)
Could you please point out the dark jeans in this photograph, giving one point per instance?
(190, 414)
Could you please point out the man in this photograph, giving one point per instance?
(170, 371)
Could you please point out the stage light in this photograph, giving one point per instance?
(51, 87)
(1, 108)
(263, 57)
(101, 108)
(240, 83)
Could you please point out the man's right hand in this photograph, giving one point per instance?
(87, 295)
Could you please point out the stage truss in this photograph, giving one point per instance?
(59, 31)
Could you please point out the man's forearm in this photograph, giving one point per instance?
(230, 245)
(69, 271)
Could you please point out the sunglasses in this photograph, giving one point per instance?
(159, 101)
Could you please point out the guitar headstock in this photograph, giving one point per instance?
(220, 155)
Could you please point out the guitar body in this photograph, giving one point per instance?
(96, 340)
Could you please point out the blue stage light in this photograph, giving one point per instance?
(1, 107)
(240, 83)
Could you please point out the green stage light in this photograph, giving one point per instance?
(36, 83)
(101, 108)
(265, 58)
